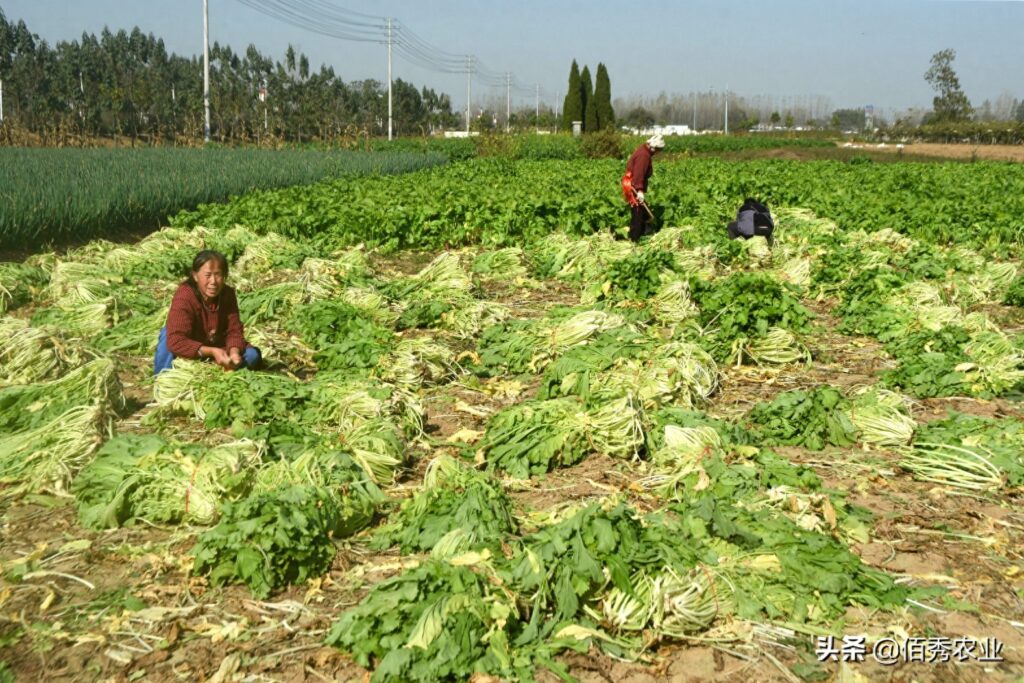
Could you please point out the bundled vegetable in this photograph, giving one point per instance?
(150, 479)
(418, 362)
(48, 457)
(18, 284)
(136, 335)
(745, 306)
(468, 319)
(679, 455)
(997, 365)
(437, 621)
(796, 271)
(637, 276)
(272, 540)
(177, 389)
(375, 445)
(582, 259)
(556, 338)
(442, 278)
(669, 604)
(330, 469)
(337, 402)
(271, 303)
(574, 372)
(680, 374)
(777, 347)
(990, 283)
(81, 321)
(535, 436)
(881, 417)
(73, 283)
(223, 399)
(30, 406)
(672, 304)
(812, 419)
(371, 303)
(956, 466)
(266, 254)
(969, 452)
(30, 354)
(344, 336)
(503, 264)
(452, 497)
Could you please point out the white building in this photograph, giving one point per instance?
(661, 130)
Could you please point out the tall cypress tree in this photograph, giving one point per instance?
(587, 94)
(572, 109)
(603, 99)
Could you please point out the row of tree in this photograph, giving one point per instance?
(127, 84)
(588, 102)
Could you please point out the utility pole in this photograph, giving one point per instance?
(469, 88)
(537, 107)
(508, 101)
(726, 108)
(389, 78)
(694, 112)
(206, 70)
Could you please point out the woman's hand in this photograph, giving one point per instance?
(219, 356)
(236, 357)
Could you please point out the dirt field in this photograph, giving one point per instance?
(123, 606)
(954, 151)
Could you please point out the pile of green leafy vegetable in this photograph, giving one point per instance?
(147, 478)
(637, 277)
(345, 338)
(570, 374)
(813, 419)
(452, 497)
(438, 621)
(272, 540)
(745, 305)
(930, 362)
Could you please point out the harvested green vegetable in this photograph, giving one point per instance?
(452, 497)
(812, 419)
(271, 540)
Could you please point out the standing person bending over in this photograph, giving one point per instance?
(638, 172)
(203, 323)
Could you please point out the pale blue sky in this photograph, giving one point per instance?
(854, 53)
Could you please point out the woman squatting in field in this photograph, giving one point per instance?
(204, 323)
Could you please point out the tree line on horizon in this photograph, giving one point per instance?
(951, 109)
(127, 84)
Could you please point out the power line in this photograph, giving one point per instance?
(324, 24)
(325, 18)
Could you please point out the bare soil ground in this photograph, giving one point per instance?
(123, 606)
(961, 152)
(888, 153)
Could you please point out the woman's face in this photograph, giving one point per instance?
(210, 279)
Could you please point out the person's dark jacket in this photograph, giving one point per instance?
(640, 167)
(752, 218)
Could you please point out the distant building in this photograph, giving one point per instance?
(661, 130)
